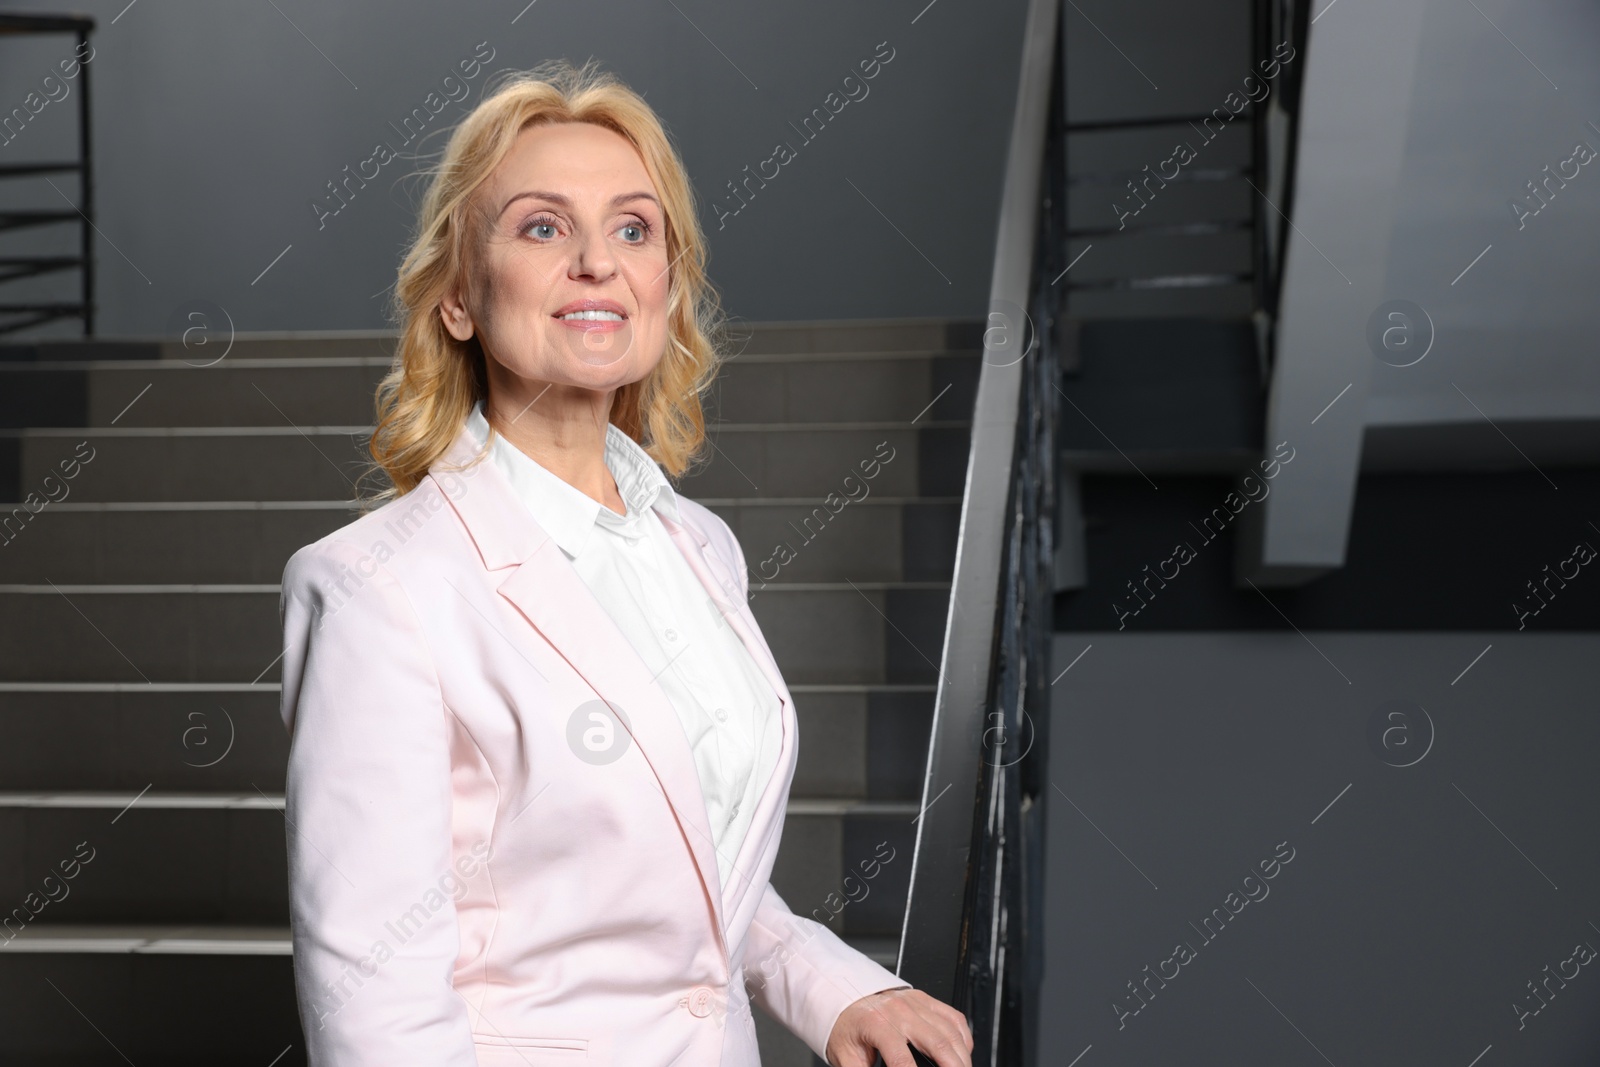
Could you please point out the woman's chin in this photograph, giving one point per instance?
(595, 345)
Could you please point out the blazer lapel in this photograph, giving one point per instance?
(718, 579)
(545, 588)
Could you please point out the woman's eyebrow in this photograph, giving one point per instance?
(557, 198)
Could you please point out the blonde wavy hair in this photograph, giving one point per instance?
(435, 380)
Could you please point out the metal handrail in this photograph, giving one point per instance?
(964, 889)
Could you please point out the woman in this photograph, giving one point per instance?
(541, 752)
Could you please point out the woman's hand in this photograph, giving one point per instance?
(885, 1022)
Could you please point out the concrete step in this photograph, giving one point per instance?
(208, 349)
(312, 391)
(109, 1009)
(224, 940)
(118, 633)
(139, 863)
(857, 742)
(164, 541)
(850, 872)
(872, 538)
(148, 799)
(869, 538)
(821, 632)
(1175, 386)
(857, 335)
(256, 463)
(150, 939)
(179, 858)
(846, 387)
(100, 995)
(853, 632)
(221, 341)
(171, 737)
(1219, 302)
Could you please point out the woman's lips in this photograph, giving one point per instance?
(593, 316)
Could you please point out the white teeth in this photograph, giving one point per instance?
(593, 316)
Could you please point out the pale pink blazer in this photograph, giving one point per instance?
(469, 884)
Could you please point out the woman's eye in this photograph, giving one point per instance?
(535, 228)
(637, 228)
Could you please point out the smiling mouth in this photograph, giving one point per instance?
(591, 316)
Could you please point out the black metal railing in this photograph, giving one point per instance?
(972, 934)
(1277, 21)
(21, 315)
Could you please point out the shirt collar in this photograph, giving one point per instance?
(568, 514)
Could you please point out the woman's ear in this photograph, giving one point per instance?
(455, 316)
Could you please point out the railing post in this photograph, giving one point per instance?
(86, 188)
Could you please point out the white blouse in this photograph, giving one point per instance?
(728, 708)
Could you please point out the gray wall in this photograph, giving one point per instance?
(1455, 862)
(217, 124)
(1516, 333)
(1472, 118)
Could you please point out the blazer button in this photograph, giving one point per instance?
(700, 1001)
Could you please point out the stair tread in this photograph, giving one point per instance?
(263, 801)
(226, 939)
(274, 687)
(352, 505)
(156, 938)
(39, 588)
(175, 365)
(352, 430)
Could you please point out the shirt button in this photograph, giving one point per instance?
(671, 635)
(700, 1001)
(722, 714)
(735, 811)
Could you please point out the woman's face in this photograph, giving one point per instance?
(571, 282)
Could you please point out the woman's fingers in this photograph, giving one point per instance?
(913, 1018)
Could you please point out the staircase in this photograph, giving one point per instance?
(141, 782)
(1164, 237)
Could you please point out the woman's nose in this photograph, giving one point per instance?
(592, 257)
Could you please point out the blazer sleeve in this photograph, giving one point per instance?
(368, 820)
(814, 974)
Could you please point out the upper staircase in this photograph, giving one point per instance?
(1168, 221)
